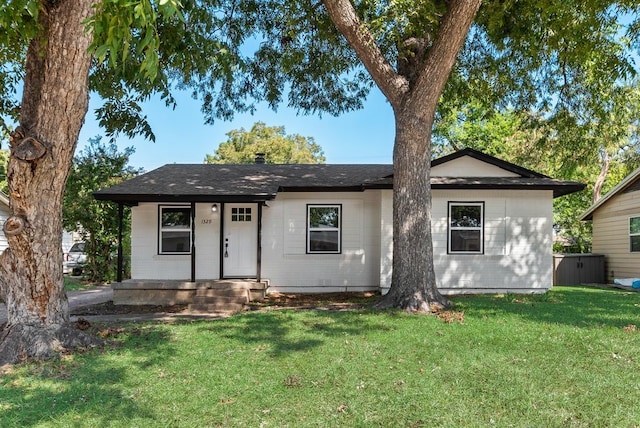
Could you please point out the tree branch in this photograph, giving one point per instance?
(344, 17)
(452, 33)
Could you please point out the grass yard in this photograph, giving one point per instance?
(569, 358)
(73, 283)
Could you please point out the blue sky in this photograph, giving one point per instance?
(363, 136)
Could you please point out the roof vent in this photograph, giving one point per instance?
(260, 158)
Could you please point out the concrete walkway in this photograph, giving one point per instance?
(102, 294)
(79, 298)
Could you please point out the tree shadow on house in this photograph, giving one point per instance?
(584, 307)
(91, 389)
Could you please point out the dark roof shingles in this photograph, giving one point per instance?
(202, 182)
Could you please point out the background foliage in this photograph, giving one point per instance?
(97, 166)
(278, 147)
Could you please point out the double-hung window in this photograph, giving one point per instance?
(466, 227)
(175, 230)
(634, 234)
(323, 229)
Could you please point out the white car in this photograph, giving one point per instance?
(75, 259)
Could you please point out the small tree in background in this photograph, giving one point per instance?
(97, 166)
(279, 148)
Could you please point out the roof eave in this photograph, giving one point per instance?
(134, 199)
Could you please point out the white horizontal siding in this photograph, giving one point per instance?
(146, 263)
(517, 243)
(4, 214)
(284, 259)
(467, 166)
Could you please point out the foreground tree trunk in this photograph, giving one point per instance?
(414, 282)
(413, 88)
(54, 105)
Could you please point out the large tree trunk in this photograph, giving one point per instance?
(413, 90)
(54, 104)
(414, 285)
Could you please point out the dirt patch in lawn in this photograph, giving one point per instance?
(108, 308)
(273, 301)
(327, 301)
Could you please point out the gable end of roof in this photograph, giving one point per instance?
(508, 166)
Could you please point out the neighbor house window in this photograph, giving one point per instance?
(175, 230)
(323, 228)
(466, 224)
(634, 234)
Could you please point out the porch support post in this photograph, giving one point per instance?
(120, 256)
(259, 255)
(193, 242)
(221, 276)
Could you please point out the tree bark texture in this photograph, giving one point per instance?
(414, 96)
(54, 104)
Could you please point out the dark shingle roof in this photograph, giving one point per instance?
(254, 182)
(260, 182)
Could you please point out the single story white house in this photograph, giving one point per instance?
(4, 215)
(616, 228)
(328, 228)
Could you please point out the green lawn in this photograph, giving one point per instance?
(73, 283)
(569, 358)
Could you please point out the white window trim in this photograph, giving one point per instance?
(331, 229)
(185, 229)
(632, 234)
(451, 229)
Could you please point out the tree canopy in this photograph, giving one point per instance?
(272, 141)
(550, 59)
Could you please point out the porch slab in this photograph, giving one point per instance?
(175, 292)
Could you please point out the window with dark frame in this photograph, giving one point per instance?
(175, 230)
(324, 229)
(634, 234)
(466, 227)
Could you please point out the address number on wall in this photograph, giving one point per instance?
(206, 221)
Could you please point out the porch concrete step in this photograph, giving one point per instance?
(233, 283)
(216, 307)
(221, 299)
(240, 294)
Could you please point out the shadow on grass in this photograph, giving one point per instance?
(574, 306)
(287, 333)
(87, 389)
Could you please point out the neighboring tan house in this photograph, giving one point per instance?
(328, 228)
(616, 228)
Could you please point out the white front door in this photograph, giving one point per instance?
(240, 246)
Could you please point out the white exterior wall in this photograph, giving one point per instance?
(517, 243)
(285, 262)
(4, 214)
(467, 166)
(146, 263)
